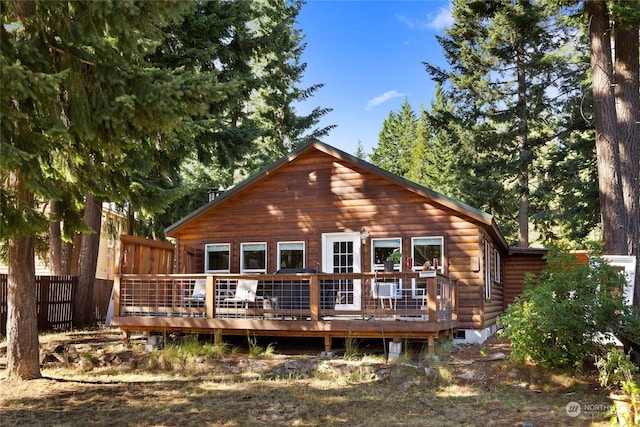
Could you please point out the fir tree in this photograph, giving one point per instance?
(504, 73)
(393, 152)
(81, 104)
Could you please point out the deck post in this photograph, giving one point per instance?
(210, 298)
(454, 298)
(432, 299)
(431, 340)
(327, 344)
(116, 296)
(314, 298)
(126, 336)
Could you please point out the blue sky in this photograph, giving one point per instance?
(369, 56)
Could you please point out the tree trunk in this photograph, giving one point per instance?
(87, 265)
(55, 241)
(66, 259)
(74, 253)
(130, 220)
(23, 348)
(627, 73)
(607, 152)
(524, 152)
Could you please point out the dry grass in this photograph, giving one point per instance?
(238, 390)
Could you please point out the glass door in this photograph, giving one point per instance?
(341, 254)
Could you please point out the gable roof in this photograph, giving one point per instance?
(464, 209)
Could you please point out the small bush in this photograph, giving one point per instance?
(615, 369)
(351, 348)
(256, 350)
(219, 348)
(561, 312)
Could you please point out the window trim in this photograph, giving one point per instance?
(496, 266)
(206, 258)
(380, 267)
(442, 253)
(254, 270)
(304, 253)
(488, 265)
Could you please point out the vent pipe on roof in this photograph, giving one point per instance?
(214, 193)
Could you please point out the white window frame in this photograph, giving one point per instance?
(304, 252)
(442, 254)
(206, 257)
(487, 270)
(496, 266)
(254, 270)
(380, 267)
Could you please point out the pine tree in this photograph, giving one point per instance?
(616, 111)
(393, 152)
(254, 49)
(360, 152)
(503, 74)
(447, 167)
(280, 72)
(80, 104)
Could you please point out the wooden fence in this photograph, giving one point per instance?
(54, 296)
(137, 255)
(101, 296)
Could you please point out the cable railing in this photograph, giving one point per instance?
(399, 296)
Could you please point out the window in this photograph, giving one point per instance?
(381, 248)
(427, 249)
(253, 258)
(496, 266)
(487, 270)
(217, 258)
(290, 255)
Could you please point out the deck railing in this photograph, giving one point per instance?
(399, 296)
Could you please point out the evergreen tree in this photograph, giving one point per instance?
(80, 104)
(615, 87)
(504, 75)
(447, 144)
(393, 152)
(254, 48)
(280, 71)
(360, 152)
(422, 154)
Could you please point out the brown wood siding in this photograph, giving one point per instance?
(316, 194)
(515, 268)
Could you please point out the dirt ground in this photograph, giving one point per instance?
(90, 377)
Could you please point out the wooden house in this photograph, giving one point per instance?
(311, 234)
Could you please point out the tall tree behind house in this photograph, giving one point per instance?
(507, 80)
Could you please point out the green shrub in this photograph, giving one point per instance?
(615, 369)
(561, 312)
(351, 347)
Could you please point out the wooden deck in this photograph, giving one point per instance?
(366, 305)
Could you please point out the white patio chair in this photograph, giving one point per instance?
(245, 293)
(197, 294)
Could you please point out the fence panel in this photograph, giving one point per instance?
(54, 298)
